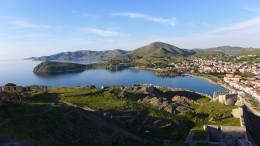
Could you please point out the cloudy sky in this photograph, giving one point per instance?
(44, 27)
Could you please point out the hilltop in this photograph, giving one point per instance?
(83, 55)
(158, 52)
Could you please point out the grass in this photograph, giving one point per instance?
(58, 127)
(64, 126)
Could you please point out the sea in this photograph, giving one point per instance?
(20, 72)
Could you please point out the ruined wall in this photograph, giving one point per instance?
(131, 122)
(218, 93)
(231, 99)
(237, 113)
(226, 98)
(1, 98)
(11, 89)
(213, 133)
(230, 134)
(110, 118)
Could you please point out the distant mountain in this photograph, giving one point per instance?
(83, 55)
(158, 52)
(228, 50)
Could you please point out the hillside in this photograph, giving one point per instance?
(158, 52)
(83, 55)
(119, 116)
(251, 52)
(206, 54)
(58, 67)
(228, 50)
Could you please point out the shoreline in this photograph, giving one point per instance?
(210, 81)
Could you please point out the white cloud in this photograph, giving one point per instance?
(90, 16)
(251, 9)
(101, 32)
(171, 21)
(239, 26)
(25, 24)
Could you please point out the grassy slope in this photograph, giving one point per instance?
(62, 125)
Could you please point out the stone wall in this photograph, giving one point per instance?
(230, 99)
(230, 134)
(218, 93)
(213, 133)
(135, 118)
(11, 89)
(1, 98)
(226, 97)
(238, 112)
(110, 118)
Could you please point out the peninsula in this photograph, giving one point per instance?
(55, 67)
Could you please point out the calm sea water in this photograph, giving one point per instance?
(20, 73)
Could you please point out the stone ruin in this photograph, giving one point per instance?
(11, 89)
(226, 135)
(121, 120)
(19, 89)
(39, 88)
(226, 97)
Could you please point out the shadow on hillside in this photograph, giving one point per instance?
(171, 94)
(44, 98)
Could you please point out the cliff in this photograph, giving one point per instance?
(58, 67)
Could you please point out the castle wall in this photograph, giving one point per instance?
(237, 113)
(11, 89)
(230, 99)
(218, 93)
(214, 133)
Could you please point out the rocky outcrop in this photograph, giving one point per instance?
(174, 106)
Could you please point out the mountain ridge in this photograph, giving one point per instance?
(155, 50)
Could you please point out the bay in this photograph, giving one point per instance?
(20, 73)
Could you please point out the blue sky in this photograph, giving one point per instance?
(44, 27)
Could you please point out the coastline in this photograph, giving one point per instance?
(210, 81)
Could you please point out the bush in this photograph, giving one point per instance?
(10, 84)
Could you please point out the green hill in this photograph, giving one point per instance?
(83, 55)
(59, 67)
(158, 52)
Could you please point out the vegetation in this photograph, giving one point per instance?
(10, 84)
(53, 67)
(52, 118)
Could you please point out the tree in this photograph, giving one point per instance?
(10, 84)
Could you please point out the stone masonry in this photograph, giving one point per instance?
(12, 89)
(226, 97)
